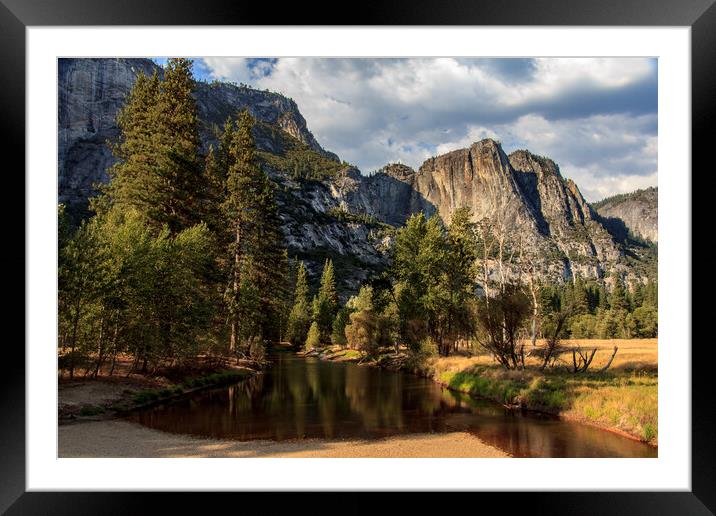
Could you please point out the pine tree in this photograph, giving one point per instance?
(338, 335)
(602, 303)
(179, 144)
(159, 168)
(651, 293)
(270, 257)
(135, 179)
(325, 305)
(240, 207)
(618, 299)
(580, 299)
(313, 339)
(299, 320)
(459, 277)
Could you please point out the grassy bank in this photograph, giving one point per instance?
(107, 396)
(622, 399)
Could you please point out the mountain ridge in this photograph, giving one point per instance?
(637, 211)
(330, 209)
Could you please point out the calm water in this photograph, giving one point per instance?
(304, 397)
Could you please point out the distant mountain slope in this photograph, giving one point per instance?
(538, 203)
(92, 90)
(328, 208)
(638, 210)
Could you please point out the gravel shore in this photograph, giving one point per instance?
(116, 438)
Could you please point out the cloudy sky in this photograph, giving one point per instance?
(597, 118)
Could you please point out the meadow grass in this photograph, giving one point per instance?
(624, 398)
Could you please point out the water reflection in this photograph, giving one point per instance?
(305, 398)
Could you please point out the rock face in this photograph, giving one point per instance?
(527, 190)
(638, 211)
(347, 216)
(91, 91)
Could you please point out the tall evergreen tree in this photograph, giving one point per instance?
(325, 305)
(618, 299)
(159, 168)
(299, 320)
(240, 208)
(178, 142)
(580, 299)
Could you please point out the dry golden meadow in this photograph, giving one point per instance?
(624, 398)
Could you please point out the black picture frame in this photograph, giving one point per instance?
(16, 15)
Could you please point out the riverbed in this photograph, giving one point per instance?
(304, 399)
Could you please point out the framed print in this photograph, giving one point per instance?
(429, 246)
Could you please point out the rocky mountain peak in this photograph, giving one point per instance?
(636, 213)
(398, 171)
(336, 211)
(526, 162)
(91, 92)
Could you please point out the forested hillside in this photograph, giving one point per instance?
(218, 239)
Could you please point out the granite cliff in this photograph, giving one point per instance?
(330, 209)
(526, 190)
(637, 211)
(91, 91)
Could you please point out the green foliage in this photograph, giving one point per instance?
(342, 215)
(86, 277)
(434, 274)
(363, 301)
(643, 322)
(618, 299)
(420, 360)
(325, 304)
(313, 339)
(173, 231)
(601, 314)
(369, 327)
(296, 159)
(338, 335)
(256, 265)
(91, 410)
(583, 326)
(159, 168)
(363, 332)
(299, 320)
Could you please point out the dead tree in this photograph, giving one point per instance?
(611, 358)
(581, 360)
(500, 322)
(552, 349)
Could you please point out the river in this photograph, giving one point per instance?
(298, 398)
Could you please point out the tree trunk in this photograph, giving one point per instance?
(114, 348)
(535, 313)
(236, 282)
(100, 346)
(73, 342)
(609, 363)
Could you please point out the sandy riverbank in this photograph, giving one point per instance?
(117, 438)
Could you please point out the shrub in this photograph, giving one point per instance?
(313, 340)
(420, 358)
(363, 332)
(583, 326)
(338, 336)
(91, 410)
(257, 351)
(644, 322)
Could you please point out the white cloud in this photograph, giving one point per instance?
(595, 117)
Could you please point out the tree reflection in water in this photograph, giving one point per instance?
(306, 398)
